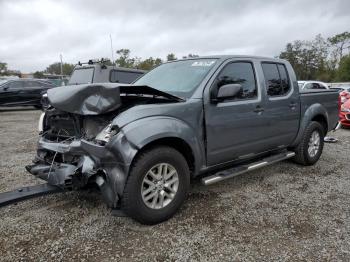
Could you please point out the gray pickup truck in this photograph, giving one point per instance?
(212, 117)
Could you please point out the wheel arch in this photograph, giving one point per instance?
(315, 112)
(320, 118)
(174, 142)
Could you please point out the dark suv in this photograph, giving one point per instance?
(23, 92)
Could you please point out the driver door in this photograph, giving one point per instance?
(236, 127)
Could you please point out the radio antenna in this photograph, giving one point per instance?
(110, 37)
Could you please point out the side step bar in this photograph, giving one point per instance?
(28, 192)
(241, 169)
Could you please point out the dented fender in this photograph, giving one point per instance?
(141, 132)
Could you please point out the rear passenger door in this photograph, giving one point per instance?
(282, 106)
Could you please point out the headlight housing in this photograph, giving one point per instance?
(41, 123)
(106, 134)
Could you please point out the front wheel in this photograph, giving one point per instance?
(157, 185)
(310, 147)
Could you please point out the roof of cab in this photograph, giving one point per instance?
(225, 57)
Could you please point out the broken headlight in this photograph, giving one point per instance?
(106, 134)
(41, 123)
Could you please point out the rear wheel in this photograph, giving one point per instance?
(157, 185)
(310, 147)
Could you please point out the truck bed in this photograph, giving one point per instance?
(327, 98)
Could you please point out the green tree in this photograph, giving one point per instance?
(38, 74)
(148, 63)
(343, 72)
(124, 59)
(3, 68)
(308, 58)
(55, 68)
(340, 43)
(171, 57)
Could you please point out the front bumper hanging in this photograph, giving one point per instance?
(28, 192)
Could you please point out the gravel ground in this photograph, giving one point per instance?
(282, 212)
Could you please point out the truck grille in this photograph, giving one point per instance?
(61, 127)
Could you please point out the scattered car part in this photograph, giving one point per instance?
(28, 192)
(329, 139)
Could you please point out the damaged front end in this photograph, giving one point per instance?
(73, 152)
(78, 145)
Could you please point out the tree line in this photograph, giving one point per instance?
(320, 59)
(325, 59)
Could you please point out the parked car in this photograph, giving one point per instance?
(344, 114)
(312, 85)
(23, 92)
(344, 96)
(214, 117)
(98, 72)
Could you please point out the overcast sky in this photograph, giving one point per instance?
(34, 32)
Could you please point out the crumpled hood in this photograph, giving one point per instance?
(98, 98)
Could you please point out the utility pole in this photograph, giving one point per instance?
(61, 67)
(110, 37)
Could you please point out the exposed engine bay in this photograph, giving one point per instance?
(78, 144)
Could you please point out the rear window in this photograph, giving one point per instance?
(276, 79)
(81, 76)
(125, 77)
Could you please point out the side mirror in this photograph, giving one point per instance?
(227, 91)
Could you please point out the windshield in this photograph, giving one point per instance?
(81, 76)
(179, 78)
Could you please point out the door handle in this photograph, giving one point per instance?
(259, 109)
(292, 105)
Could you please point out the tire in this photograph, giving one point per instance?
(303, 155)
(135, 202)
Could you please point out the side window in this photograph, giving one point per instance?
(276, 78)
(284, 78)
(124, 76)
(46, 84)
(318, 86)
(15, 84)
(239, 73)
(31, 84)
(315, 86)
(324, 86)
(308, 86)
(272, 79)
